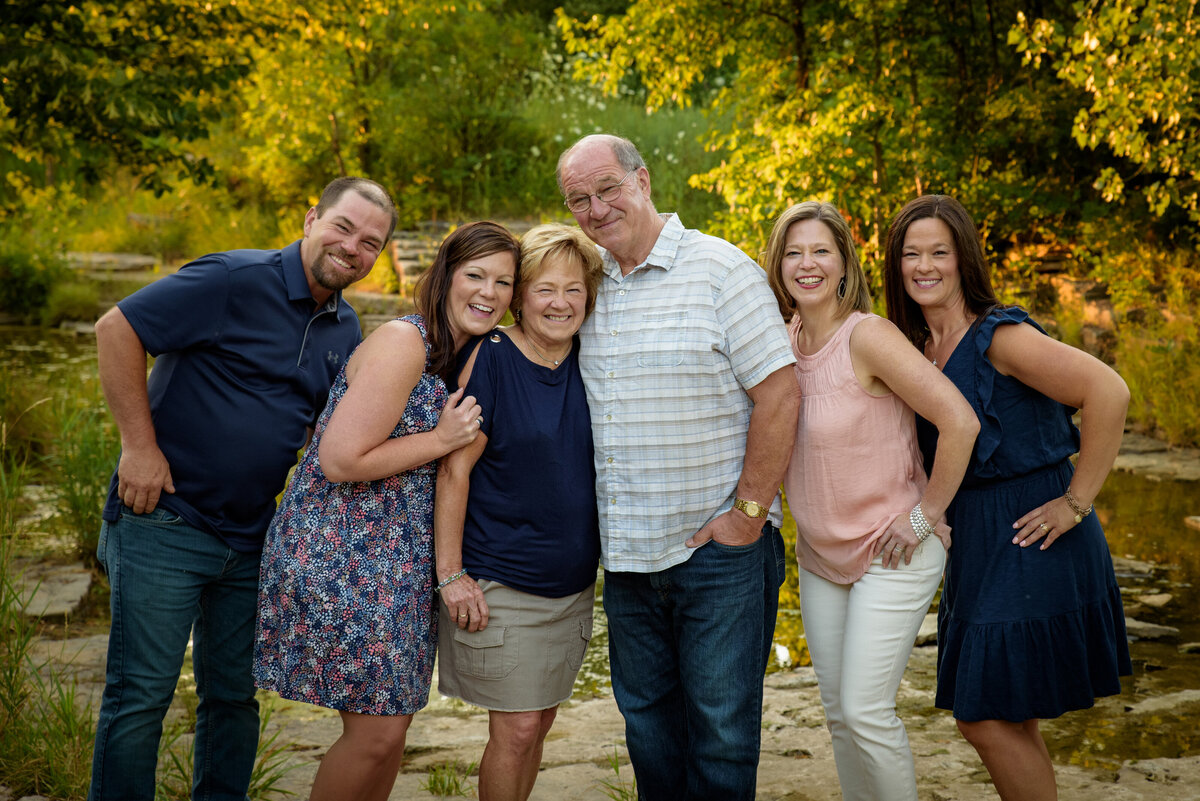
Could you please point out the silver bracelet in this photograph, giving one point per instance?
(920, 523)
(449, 579)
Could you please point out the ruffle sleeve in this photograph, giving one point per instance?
(985, 383)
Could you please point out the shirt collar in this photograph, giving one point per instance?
(296, 281)
(662, 255)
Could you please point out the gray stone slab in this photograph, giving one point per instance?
(1149, 631)
(49, 590)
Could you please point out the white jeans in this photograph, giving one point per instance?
(860, 637)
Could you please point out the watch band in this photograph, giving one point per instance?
(750, 508)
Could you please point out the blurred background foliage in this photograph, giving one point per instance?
(1069, 129)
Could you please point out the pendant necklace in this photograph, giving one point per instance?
(545, 358)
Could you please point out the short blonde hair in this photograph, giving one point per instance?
(857, 296)
(553, 241)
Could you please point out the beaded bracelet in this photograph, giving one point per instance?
(920, 523)
(1076, 506)
(451, 578)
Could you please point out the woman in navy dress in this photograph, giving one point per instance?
(1030, 623)
(515, 516)
(345, 616)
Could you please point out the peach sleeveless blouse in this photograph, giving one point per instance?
(856, 465)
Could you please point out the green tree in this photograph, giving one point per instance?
(1137, 65)
(99, 84)
(421, 96)
(862, 102)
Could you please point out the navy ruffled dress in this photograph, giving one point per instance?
(1022, 633)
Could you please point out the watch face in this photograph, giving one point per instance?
(751, 508)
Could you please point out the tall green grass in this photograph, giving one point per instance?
(81, 463)
(46, 732)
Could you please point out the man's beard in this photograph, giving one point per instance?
(332, 277)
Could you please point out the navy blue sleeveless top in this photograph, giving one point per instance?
(531, 512)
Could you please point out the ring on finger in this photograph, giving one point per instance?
(898, 549)
(1044, 528)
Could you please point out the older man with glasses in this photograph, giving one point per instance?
(687, 368)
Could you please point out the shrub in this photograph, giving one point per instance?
(27, 275)
(70, 302)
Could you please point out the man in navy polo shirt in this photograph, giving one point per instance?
(247, 344)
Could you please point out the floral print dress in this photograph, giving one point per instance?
(346, 617)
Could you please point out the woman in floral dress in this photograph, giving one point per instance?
(346, 617)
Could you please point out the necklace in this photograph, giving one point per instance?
(545, 358)
(951, 339)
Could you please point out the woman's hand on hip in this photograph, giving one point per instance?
(898, 543)
(465, 604)
(1048, 522)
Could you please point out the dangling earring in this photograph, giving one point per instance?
(517, 316)
(841, 290)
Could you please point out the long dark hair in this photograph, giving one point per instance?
(471, 241)
(978, 295)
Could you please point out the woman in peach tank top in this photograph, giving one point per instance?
(872, 540)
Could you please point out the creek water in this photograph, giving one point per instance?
(1143, 520)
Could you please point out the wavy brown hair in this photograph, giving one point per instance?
(471, 241)
(978, 295)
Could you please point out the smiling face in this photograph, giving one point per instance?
(812, 265)
(341, 245)
(554, 303)
(929, 264)
(480, 292)
(626, 226)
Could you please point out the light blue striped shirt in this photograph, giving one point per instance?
(666, 357)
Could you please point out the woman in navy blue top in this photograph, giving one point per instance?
(515, 523)
(1030, 623)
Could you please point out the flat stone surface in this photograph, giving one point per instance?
(1171, 702)
(49, 589)
(1132, 568)
(1157, 600)
(796, 758)
(111, 261)
(1161, 465)
(927, 635)
(1149, 631)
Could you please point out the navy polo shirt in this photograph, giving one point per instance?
(244, 362)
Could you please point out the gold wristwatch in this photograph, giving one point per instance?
(750, 508)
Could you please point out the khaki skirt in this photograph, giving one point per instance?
(528, 656)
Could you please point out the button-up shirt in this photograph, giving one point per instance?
(667, 357)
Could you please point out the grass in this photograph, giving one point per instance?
(86, 451)
(450, 779)
(54, 429)
(271, 763)
(46, 732)
(617, 788)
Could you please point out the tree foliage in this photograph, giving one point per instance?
(1138, 64)
(103, 83)
(422, 96)
(870, 102)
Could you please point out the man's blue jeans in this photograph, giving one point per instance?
(688, 648)
(168, 578)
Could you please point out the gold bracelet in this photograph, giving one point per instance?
(1076, 506)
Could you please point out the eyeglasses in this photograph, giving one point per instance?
(606, 194)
